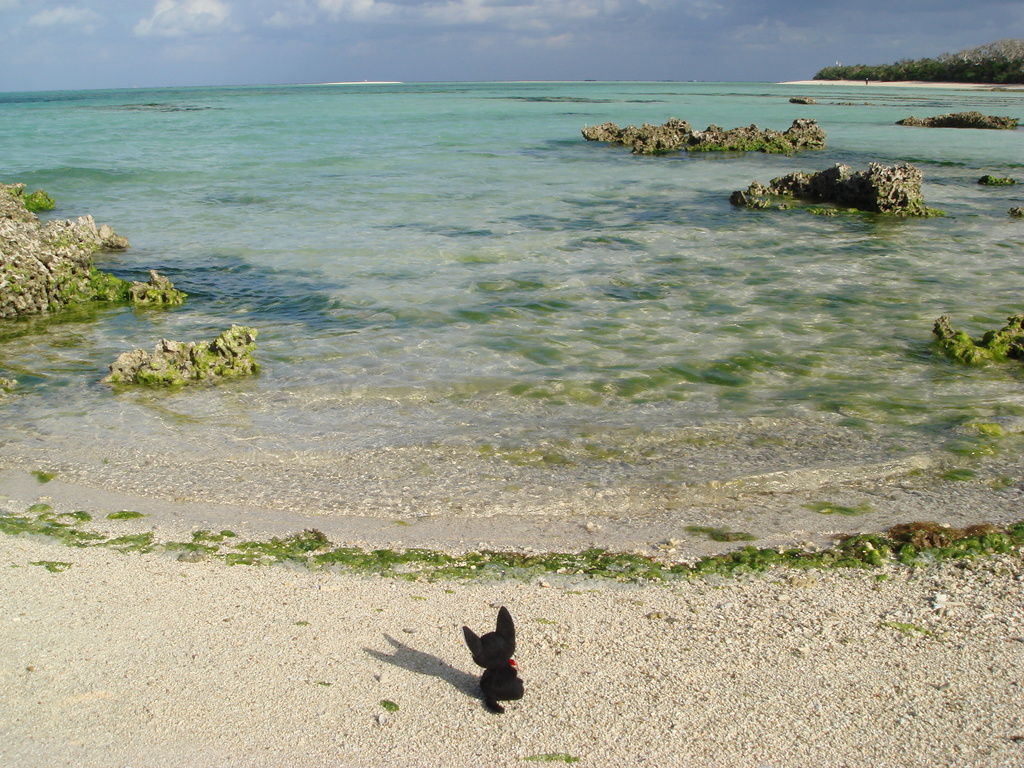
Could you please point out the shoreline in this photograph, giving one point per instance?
(911, 84)
(140, 659)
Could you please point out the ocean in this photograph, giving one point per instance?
(467, 310)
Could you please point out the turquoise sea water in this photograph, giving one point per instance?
(462, 302)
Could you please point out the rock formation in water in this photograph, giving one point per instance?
(962, 120)
(678, 135)
(995, 346)
(174, 363)
(1017, 212)
(894, 190)
(996, 181)
(47, 267)
(802, 100)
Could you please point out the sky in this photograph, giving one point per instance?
(81, 44)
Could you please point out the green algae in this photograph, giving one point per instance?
(720, 534)
(174, 364)
(827, 508)
(125, 514)
(989, 180)
(38, 201)
(53, 566)
(959, 475)
(44, 476)
(910, 630)
(389, 705)
(552, 757)
(1006, 343)
(908, 544)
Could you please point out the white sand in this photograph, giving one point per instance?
(911, 84)
(142, 660)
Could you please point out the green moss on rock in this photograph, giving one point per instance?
(175, 363)
(989, 180)
(38, 201)
(1007, 343)
(158, 292)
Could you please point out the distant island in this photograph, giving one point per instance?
(1000, 62)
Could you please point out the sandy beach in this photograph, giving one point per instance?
(912, 84)
(143, 660)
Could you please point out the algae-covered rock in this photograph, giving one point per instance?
(973, 119)
(159, 291)
(802, 100)
(894, 190)
(32, 202)
(678, 135)
(1007, 343)
(45, 268)
(989, 180)
(175, 363)
(1017, 212)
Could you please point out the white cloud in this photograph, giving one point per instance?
(535, 11)
(64, 15)
(174, 18)
(295, 13)
(357, 9)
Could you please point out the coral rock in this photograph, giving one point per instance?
(893, 190)
(679, 135)
(962, 120)
(995, 346)
(174, 363)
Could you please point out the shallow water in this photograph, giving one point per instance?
(463, 305)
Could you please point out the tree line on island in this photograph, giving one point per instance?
(998, 62)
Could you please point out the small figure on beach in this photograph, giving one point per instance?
(500, 680)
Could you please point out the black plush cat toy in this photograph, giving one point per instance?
(500, 680)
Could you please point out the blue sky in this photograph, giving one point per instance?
(126, 43)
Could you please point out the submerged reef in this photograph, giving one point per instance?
(678, 135)
(48, 267)
(973, 119)
(174, 363)
(894, 190)
(1007, 343)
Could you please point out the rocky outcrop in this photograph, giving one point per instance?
(962, 120)
(158, 292)
(47, 267)
(894, 190)
(676, 135)
(175, 363)
(995, 346)
(33, 202)
(802, 100)
(995, 181)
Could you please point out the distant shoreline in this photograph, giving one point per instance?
(913, 84)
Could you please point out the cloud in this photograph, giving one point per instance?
(357, 9)
(174, 18)
(295, 13)
(64, 15)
